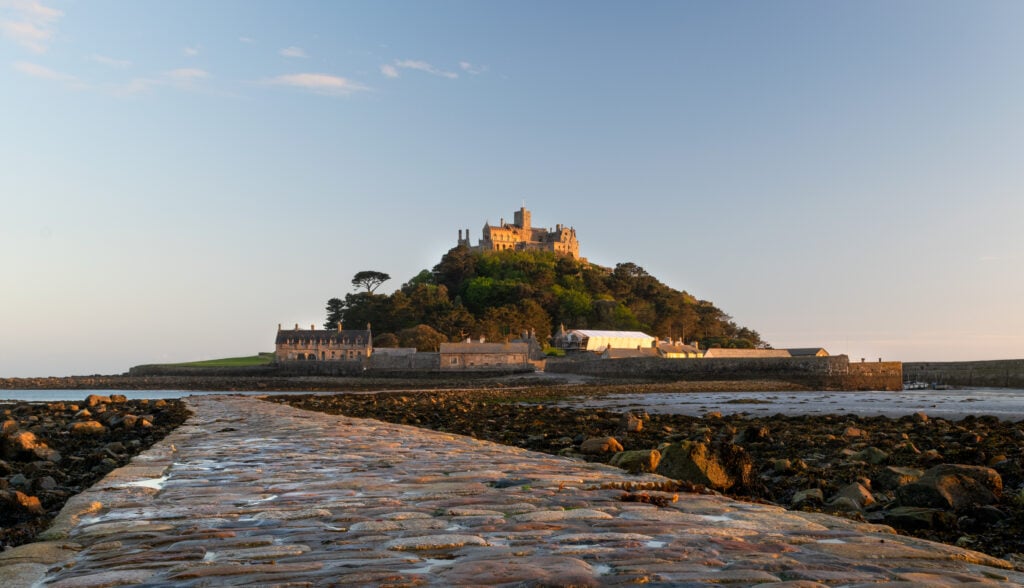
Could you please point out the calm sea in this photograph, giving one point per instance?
(1006, 404)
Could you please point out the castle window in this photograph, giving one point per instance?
(455, 361)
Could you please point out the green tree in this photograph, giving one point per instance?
(335, 313)
(370, 280)
(422, 337)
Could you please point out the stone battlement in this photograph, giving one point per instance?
(521, 236)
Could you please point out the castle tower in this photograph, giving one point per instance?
(522, 218)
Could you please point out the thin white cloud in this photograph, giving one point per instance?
(472, 69)
(186, 74)
(293, 52)
(186, 78)
(28, 23)
(389, 71)
(246, 39)
(319, 83)
(42, 72)
(190, 51)
(424, 67)
(110, 61)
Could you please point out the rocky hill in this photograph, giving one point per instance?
(501, 294)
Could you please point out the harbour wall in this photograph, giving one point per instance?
(1000, 373)
(823, 373)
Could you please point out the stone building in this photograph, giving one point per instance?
(323, 345)
(521, 236)
(679, 350)
(723, 353)
(482, 356)
(597, 341)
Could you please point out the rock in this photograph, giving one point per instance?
(952, 486)
(810, 496)
(872, 455)
(920, 417)
(753, 434)
(83, 415)
(844, 504)
(86, 428)
(21, 444)
(853, 433)
(7, 427)
(20, 502)
(96, 400)
(856, 494)
(118, 398)
(782, 466)
(631, 423)
(599, 445)
(637, 461)
(931, 455)
(911, 518)
(893, 477)
(694, 462)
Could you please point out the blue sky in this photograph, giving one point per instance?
(177, 178)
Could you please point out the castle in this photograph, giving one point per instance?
(520, 236)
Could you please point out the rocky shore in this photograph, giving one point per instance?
(52, 451)
(958, 482)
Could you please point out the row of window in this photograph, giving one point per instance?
(328, 342)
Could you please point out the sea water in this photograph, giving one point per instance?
(1003, 403)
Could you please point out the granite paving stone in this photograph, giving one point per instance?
(255, 493)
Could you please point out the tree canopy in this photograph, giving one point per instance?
(501, 294)
(370, 280)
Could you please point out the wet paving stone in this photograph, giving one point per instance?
(286, 497)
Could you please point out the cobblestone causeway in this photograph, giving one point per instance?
(255, 493)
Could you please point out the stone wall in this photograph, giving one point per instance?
(412, 361)
(1004, 373)
(824, 373)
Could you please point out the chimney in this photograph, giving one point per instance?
(312, 327)
(279, 327)
(339, 326)
(296, 326)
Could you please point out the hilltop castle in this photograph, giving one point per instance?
(520, 236)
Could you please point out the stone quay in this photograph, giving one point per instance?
(255, 493)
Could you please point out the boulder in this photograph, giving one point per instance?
(21, 444)
(87, 428)
(696, 463)
(893, 477)
(96, 400)
(809, 496)
(910, 518)
(854, 433)
(637, 461)
(855, 494)
(592, 446)
(18, 501)
(872, 455)
(118, 398)
(7, 427)
(631, 423)
(953, 486)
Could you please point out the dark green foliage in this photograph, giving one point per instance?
(500, 295)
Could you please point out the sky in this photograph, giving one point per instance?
(178, 178)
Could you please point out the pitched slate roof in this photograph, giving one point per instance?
(334, 336)
(805, 351)
(721, 353)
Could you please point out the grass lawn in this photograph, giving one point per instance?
(261, 359)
